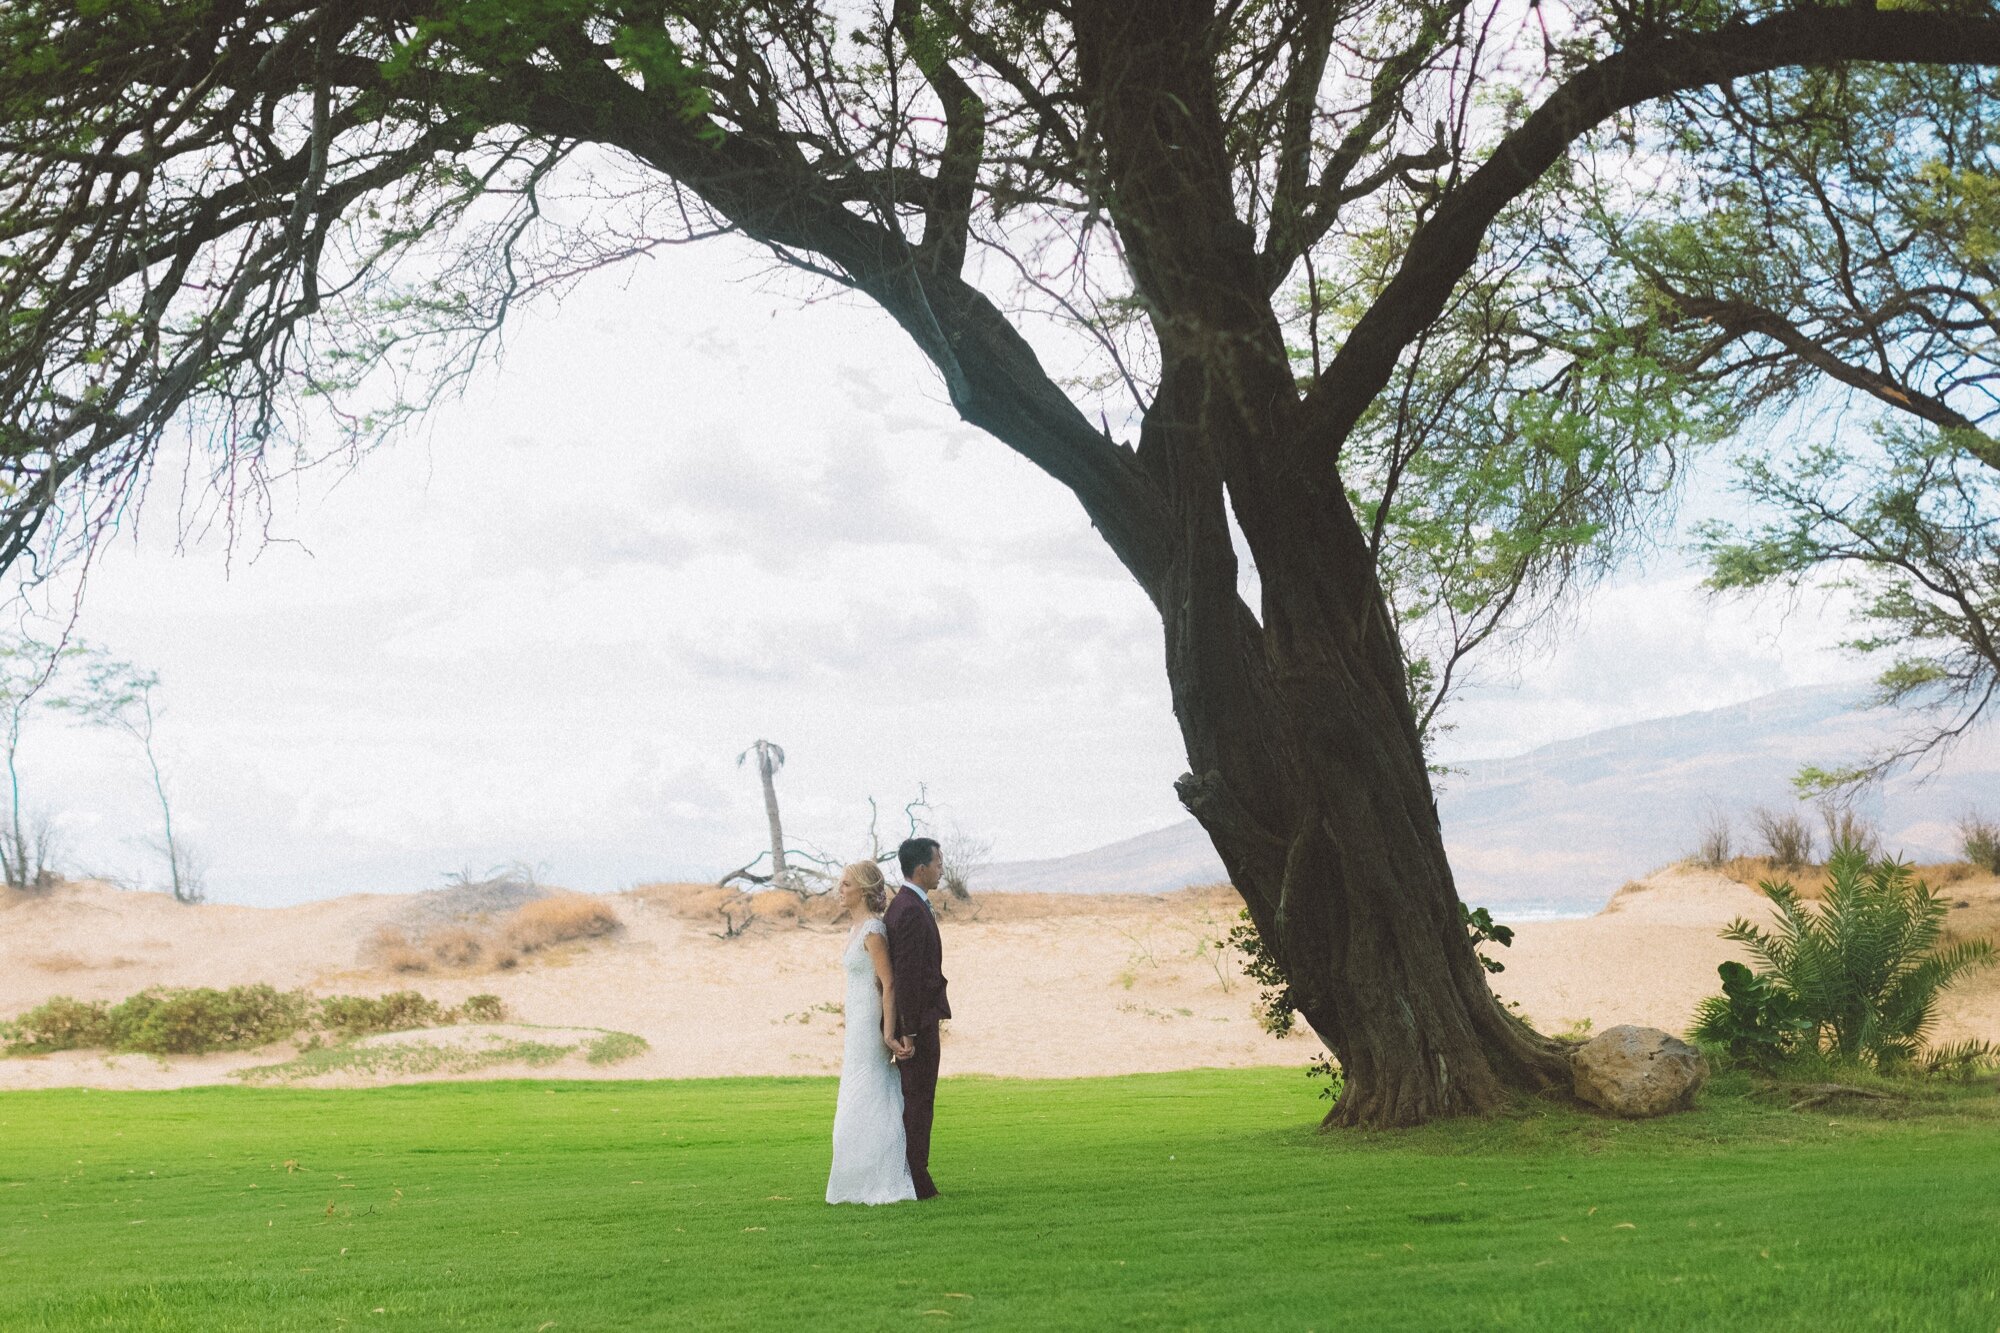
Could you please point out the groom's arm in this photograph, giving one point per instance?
(907, 968)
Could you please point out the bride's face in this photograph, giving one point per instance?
(850, 894)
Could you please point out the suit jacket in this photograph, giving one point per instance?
(916, 962)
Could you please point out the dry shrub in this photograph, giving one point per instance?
(1714, 851)
(774, 907)
(557, 919)
(1630, 887)
(58, 962)
(1811, 881)
(1788, 838)
(822, 909)
(689, 902)
(1847, 830)
(407, 958)
(1980, 839)
(393, 952)
(456, 946)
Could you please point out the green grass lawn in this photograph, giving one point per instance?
(1196, 1200)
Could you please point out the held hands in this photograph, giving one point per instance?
(900, 1048)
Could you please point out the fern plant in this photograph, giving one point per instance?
(1864, 970)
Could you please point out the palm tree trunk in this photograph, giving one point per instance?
(766, 769)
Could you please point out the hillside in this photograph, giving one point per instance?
(1553, 832)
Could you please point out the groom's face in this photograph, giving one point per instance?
(926, 875)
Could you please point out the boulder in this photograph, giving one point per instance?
(1638, 1072)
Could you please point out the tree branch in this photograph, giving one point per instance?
(1446, 246)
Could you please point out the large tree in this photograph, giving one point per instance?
(265, 220)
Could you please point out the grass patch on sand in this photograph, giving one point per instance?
(1191, 1200)
(417, 1055)
(613, 1047)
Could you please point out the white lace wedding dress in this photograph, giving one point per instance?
(869, 1162)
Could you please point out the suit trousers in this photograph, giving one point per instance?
(920, 1077)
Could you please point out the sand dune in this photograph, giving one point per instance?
(1042, 985)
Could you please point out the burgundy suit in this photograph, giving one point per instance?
(916, 962)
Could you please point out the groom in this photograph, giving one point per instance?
(916, 957)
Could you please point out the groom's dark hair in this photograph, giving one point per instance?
(915, 852)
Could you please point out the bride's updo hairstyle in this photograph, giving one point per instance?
(867, 877)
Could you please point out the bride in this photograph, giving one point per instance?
(870, 1164)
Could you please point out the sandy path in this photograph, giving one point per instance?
(1043, 987)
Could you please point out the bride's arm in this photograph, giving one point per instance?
(885, 981)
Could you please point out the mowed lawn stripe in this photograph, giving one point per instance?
(1197, 1200)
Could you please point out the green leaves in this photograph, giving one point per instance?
(1479, 924)
(1276, 1007)
(1755, 1021)
(1908, 525)
(1842, 251)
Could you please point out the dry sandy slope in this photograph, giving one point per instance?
(1041, 985)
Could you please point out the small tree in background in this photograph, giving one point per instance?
(770, 758)
(26, 669)
(120, 696)
(786, 872)
(1716, 846)
(1979, 837)
(1847, 830)
(965, 854)
(1788, 838)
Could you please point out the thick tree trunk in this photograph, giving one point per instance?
(1308, 773)
(1342, 865)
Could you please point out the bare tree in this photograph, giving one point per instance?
(965, 854)
(803, 871)
(26, 669)
(770, 759)
(120, 696)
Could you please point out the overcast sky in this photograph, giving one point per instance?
(683, 513)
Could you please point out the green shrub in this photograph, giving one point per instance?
(192, 1021)
(1480, 925)
(1862, 973)
(1980, 839)
(200, 1019)
(398, 1011)
(1275, 1009)
(612, 1047)
(1753, 1022)
(482, 1009)
(60, 1024)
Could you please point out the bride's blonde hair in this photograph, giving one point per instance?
(867, 877)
